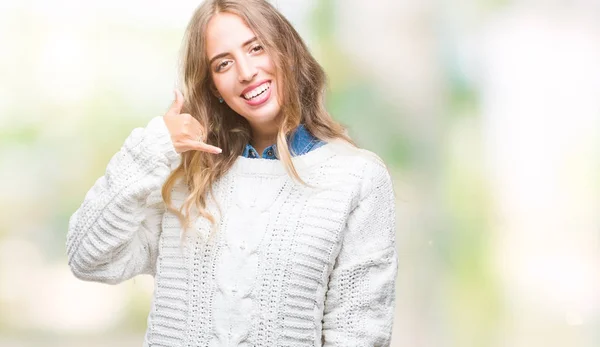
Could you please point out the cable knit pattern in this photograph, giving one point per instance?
(289, 265)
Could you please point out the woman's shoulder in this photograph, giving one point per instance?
(358, 157)
(366, 166)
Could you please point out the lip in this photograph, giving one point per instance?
(251, 87)
(259, 100)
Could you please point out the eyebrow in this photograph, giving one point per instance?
(221, 55)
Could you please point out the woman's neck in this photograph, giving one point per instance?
(263, 137)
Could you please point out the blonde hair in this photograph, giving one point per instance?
(301, 100)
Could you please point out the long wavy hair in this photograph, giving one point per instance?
(301, 99)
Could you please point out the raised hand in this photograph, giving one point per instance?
(187, 134)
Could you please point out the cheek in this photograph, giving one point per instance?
(222, 85)
(264, 63)
(270, 66)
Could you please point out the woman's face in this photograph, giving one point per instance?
(242, 71)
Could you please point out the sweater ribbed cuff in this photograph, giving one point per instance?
(159, 133)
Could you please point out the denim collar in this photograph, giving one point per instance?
(301, 141)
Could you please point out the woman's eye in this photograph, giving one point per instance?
(257, 48)
(222, 65)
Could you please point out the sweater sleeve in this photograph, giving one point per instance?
(359, 303)
(113, 235)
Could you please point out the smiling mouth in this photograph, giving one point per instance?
(257, 91)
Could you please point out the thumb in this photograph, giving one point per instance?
(177, 105)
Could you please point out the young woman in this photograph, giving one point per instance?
(261, 222)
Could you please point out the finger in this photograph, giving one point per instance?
(201, 146)
(177, 105)
(200, 130)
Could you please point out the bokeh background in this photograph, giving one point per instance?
(487, 112)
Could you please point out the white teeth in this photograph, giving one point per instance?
(258, 90)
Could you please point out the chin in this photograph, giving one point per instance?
(265, 114)
(268, 115)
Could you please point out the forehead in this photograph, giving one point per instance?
(225, 32)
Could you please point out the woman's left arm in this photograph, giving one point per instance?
(359, 305)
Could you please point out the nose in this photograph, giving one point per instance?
(246, 70)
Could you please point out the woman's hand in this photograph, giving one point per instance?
(187, 133)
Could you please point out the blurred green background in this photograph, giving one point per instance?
(487, 113)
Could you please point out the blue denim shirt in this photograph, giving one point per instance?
(300, 142)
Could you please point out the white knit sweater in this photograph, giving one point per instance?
(290, 265)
